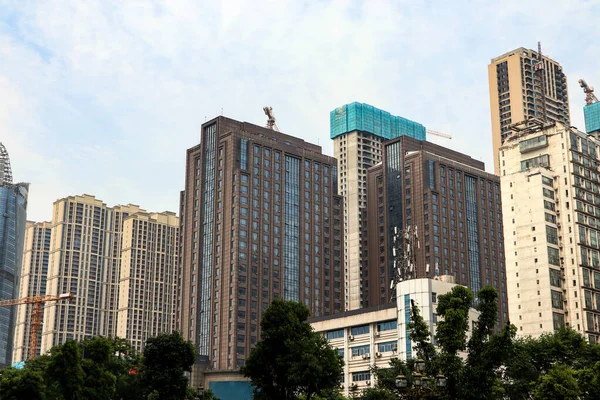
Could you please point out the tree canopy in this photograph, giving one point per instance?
(104, 368)
(291, 359)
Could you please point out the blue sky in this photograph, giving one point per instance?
(103, 97)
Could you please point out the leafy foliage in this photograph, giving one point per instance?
(166, 359)
(291, 359)
(101, 368)
(561, 365)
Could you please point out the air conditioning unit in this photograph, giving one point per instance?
(366, 356)
(368, 383)
(378, 355)
(350, 338)
(377, 334)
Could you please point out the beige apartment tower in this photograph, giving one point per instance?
(88, 242)
(148, 277)
(515, 93)
(357, 131)
(551, 209)
(33, 282)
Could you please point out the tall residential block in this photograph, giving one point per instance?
(88, 241)
(36, 254)
(13, 218)
(261, 219)
(148, 277)
(551, 204)
(455, 207)
(357, 131)
(516, 92)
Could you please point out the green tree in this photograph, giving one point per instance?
(291, 359)
(589, 382)
(23, 384)
(475, 378)
(487, 351)
(166, 359)
(99, 380)
(560, 383)
(386, 377)
(378, 394)
(64, 373)
(451, 334)
(531, 360)
(420, 334)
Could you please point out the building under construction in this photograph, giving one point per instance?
(591, 111)
(525, 84)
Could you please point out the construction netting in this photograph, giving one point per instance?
(364, 117)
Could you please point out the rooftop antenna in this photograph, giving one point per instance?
(404, 247)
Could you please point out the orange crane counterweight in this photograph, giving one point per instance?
(36, 314)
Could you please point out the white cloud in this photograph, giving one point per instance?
(105, 96)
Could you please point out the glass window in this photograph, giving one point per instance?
(359, 330)
(360, 350)
(557, 299)
(558, 320)
(551, 234)
(385, 347)
(387, 325)
(553, 256)
(361, 376)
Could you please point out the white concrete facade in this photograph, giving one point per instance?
(148, 277)
(33, 283)
(89, 242)
(356, 152)
(371, 337)
(551, 209)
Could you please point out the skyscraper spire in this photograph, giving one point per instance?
(5, 170)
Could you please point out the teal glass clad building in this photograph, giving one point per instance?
(13, 206)
(591, 113)
(364, 117)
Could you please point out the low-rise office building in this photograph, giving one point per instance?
(371, 337)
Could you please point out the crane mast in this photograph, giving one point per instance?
(271, 121)
(36, 315)
(590, 97)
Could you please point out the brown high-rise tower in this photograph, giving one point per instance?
(261, 219)
(454, 205)
(515, 93)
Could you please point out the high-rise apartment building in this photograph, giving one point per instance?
(357, 131)
(148, 276)
(261, 219)
(88, 241)
(515, 93)
(551, 207)
(13, 218)
(455, 207)
(36, 254)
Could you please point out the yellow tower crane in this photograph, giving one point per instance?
(36, 314)
(436, 133)
(590, 97)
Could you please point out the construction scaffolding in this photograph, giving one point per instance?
(5, 170)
